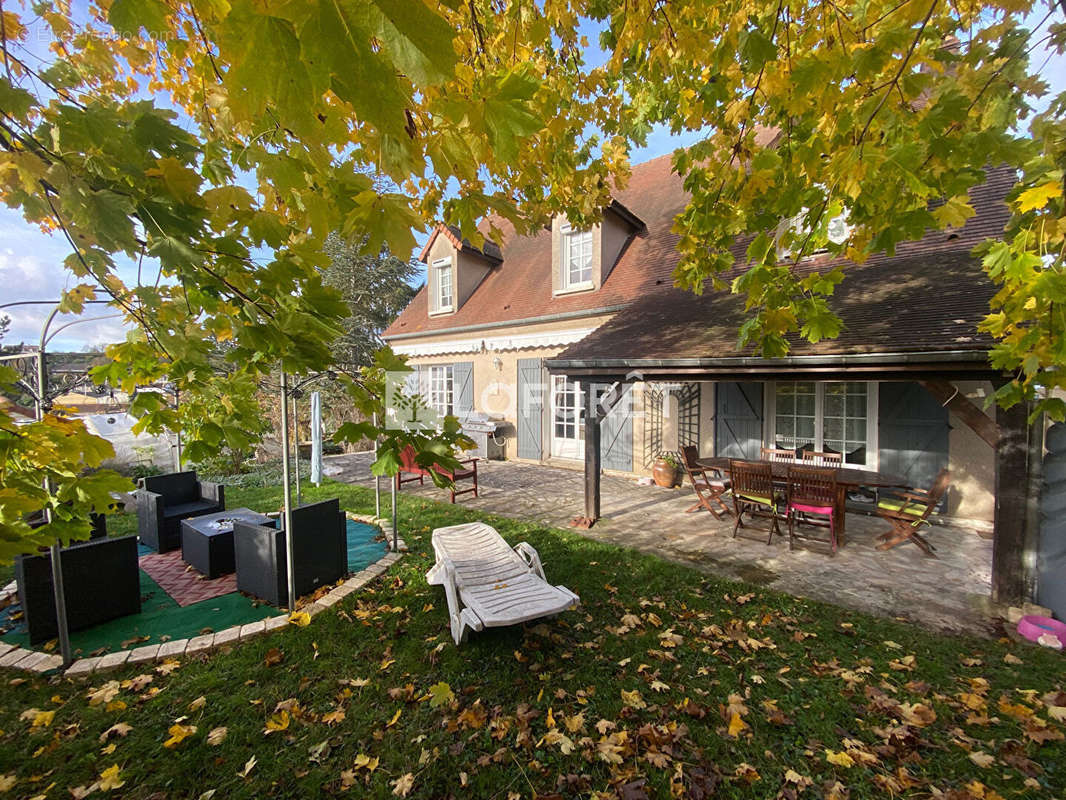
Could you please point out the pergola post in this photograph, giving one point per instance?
(1011, 577)
(592, 455)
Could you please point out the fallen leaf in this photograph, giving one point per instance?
(178, 733)
(363, 761)
(300, 619)
(277, 722)
(401, 787)
(440, 694)
(198, 703)
(274, 656)
(109, 779)
(983, 760)
(217, 736)
(118, 729)
(167, 666)
(840, 759)
(249, 765)
(633, 699)
(736, 725)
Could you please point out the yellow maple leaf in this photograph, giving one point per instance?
(249, 765)
(8, 781)
(109, 779)
(736, 725)
(633, 699)
(198, 703)
(300, 619)
(440, 694)
(277, 722)
(395, 718)
(38, 718)
(178, 733)
(363, 761)
(840, 759)
(1039, 196)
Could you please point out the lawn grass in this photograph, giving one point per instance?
(540, 710)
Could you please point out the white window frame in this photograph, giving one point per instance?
(437, 270)
(440, 391)
(770, 417)
(570, 239)
(800, 230)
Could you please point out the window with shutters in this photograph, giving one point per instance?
(440, 389)
(827, 417)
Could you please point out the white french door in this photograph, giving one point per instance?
(568, 419)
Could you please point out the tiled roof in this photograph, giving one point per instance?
(490, 250)
(520, 287)
(927, 298)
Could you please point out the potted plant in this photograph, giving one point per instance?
(665, 470)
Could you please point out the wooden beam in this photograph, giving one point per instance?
(965, 409)
(1010, 579)
(592, 455)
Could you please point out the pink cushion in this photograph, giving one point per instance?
(824, 510)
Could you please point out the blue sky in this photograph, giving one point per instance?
(31, 262)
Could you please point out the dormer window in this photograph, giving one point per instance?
(793, 232)
(577, 259)
(441, 285)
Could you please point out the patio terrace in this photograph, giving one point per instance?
(948, 593)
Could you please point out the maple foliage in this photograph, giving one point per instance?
(223, 141)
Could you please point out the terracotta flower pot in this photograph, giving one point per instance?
(664, 473)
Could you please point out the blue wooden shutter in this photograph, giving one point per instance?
(738, 420)
(530, 408)
(912, 433)
(463, 389)
(616, 430)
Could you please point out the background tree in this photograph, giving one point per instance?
(375, 287)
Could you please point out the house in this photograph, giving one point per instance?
(524, 330)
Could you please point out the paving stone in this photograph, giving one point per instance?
(328, 600)
(14, 656)
(112, 660)
(314, 609)
(47, 664)
(82, 667)
(343, 590)
(274, 623)
(228, 636)
(944, 593)
(141, 654)
(5, 649)
(32, 660)
(199, 644)
(252, 629)
(173, 649)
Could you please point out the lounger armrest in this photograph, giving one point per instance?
(469, 461)
(529, 554)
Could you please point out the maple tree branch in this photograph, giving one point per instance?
(899, 74)
(114, 296)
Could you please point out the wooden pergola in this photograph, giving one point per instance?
(1017, 445)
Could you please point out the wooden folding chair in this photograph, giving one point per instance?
(811, 492)
(709, 489)
(753, 493)
(908, 511)
(775, 454)
(822, 459)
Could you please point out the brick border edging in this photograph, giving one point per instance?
(39, 662)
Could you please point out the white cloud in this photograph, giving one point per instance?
(31, 268)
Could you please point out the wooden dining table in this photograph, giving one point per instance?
(848, 478)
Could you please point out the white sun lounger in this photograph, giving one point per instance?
(488, 583)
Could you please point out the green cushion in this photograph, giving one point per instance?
(755, 498)
(917, 509)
